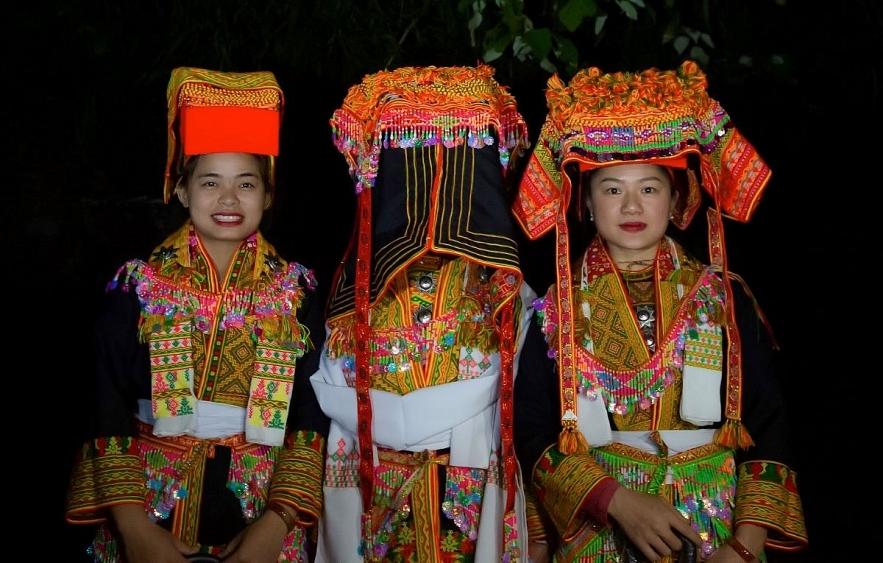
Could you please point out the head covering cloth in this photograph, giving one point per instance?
(212, 112)
(662, 117)
(428, 149)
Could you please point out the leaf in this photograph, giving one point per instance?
(670, 31)
(499, 38)
(540, 41)
(521, 49)
(706, 38)
(699, 55)
(474, 23)
(566, 50)
(568, 54)
(574, 12)
(628, 9)
(547, 65)
(599, 23)
(491, 55)
(680, 43)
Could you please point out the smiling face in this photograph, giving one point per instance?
(226, 195)
(631, 205)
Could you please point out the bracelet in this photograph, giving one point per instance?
(279, 508)
(741, 550)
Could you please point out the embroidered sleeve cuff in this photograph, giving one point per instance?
(567, 485)
(767, 495)
(297, 479)
(107, 471)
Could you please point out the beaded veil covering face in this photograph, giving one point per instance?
(428, 149)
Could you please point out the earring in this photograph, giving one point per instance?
(591, 216)
(671, 217)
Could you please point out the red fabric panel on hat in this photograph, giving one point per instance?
(677, 161)
(214, 129)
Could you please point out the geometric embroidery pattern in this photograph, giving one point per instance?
(171, 365)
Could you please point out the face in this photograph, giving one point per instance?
(631, 204)
(226, 196)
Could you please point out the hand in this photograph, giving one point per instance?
(260, 542)
(538, 552)
(724, 554)
(143, 541)
(650, 521)
(751, 536)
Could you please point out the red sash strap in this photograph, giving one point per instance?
(363, 371)
(732, 434)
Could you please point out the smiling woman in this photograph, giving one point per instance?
(208, 437)
(226, 194)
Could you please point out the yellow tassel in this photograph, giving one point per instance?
(733, 434)
(571, 441)
(340, 340)
(745, 440)
(725, 435)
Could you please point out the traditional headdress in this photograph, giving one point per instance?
(428, 149)
(657, 117)
(211, 111)
(440, 114)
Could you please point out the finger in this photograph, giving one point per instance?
(230, 547)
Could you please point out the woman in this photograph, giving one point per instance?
(424, 320)
(648, 418)
(208, 437)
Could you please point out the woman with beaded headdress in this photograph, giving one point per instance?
(208, 437)
(423, 323)
(648, 416)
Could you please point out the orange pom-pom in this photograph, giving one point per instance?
(572, 441)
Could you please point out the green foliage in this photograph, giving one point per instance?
(564, 37)
(115, 58)
(574, 12)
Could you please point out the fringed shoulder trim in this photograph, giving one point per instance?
(268, 308)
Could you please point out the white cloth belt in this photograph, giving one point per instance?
(214, 420)
(458, 415)
(677, 440)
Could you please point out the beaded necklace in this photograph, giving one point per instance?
(398, 348)
(625, 390)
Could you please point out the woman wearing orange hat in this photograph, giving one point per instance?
(208, 439)
(648, 418)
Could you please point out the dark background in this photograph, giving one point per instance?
(86, 139)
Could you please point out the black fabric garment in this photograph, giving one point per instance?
(432, 199)
(123, 376)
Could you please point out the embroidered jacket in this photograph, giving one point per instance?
(180, 354)
(435, 383)
(642, 381)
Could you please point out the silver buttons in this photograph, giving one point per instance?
(425, 282)
(423, 315)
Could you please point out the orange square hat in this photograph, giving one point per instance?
(212, 111)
